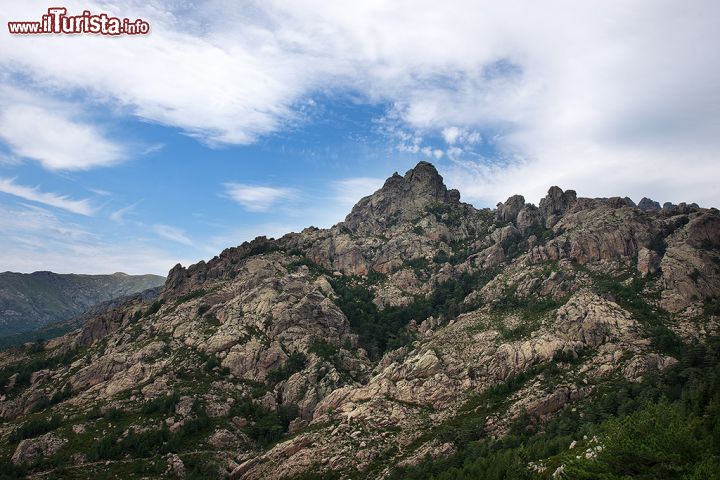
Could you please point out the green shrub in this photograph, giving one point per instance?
(211, 363)
(161, 405)
(419, 264)
(113, 414)
(154, 308)
(712, 307)
(25, 369)
(323, 349)
(267, 426)
(61, 395)
(383, 330)
(295, 363)
(10, 471)
(191, 296)
(94, 413)
(667, 426)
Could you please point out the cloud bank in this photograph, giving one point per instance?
(569, 91)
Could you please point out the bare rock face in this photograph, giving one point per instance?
(556, 203)
(690, 271)
(508, 211)
(223, 439)
(640, 365)
(32, 449)
(401, 198)
(648, 262)
(432, 449)
(489, 258)
(529, 216)
(647, 204)
(591, 235)
(175, 467)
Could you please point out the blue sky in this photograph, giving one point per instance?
(237, 119)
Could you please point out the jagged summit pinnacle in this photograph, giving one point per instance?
(402, 198)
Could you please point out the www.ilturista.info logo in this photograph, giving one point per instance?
(58, 21)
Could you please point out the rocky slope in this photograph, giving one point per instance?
(360, 350)
(34, 300)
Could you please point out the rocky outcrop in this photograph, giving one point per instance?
(508, 211)
(648, 262)
(555, 203)
(690, 271)
(402, 198)
(175, 466)
(32, 449)
(647, 204)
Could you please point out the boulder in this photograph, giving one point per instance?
(32, 449)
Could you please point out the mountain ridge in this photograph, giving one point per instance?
(34, 300)
(418, 326)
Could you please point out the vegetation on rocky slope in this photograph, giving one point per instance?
(420, 338)
(667, 426)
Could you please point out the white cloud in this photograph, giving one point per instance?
(53, 139)
(34, 194)
(453, 135)
(576, 90)
(172, 233)
(625, 173)
(257, 198)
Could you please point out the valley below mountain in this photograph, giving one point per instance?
(419, 338)
(29, 301)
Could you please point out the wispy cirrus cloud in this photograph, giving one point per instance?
(34, 194)
(257, 198)
(172, 233)
(119, 214)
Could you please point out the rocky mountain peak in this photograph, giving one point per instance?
(392, 327)
(425, 181)
(555, 203)
(648, 204)
(401, 198)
